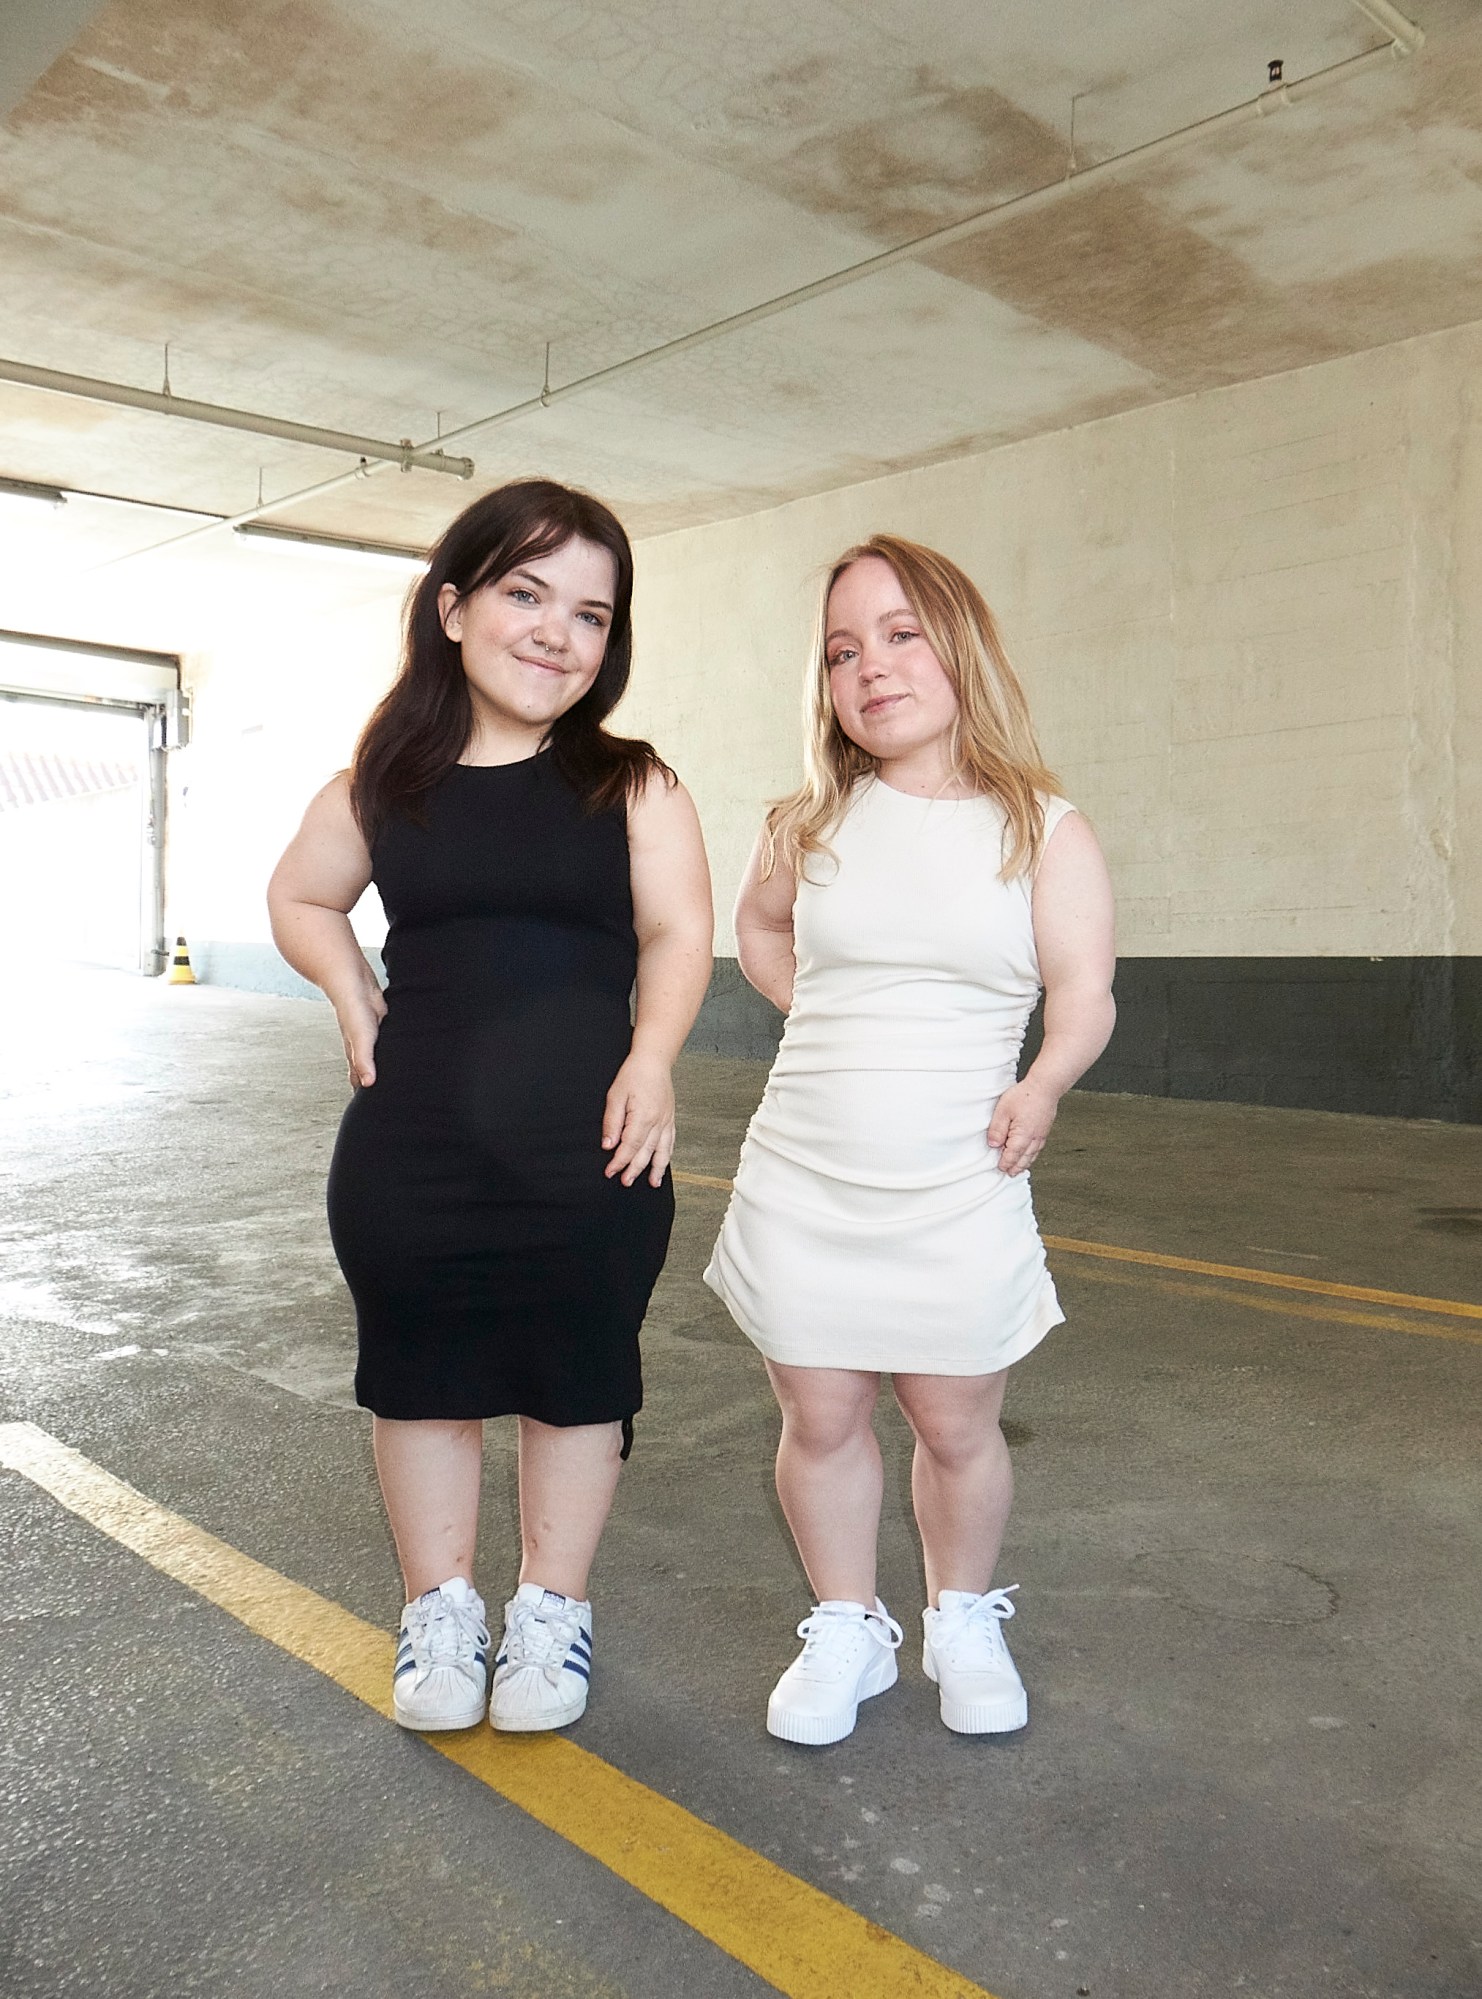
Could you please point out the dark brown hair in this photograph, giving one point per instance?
(425, 720)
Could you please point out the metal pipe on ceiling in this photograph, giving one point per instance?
(1406, 39)
(425, 457)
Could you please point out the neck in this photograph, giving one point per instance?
(927, 772)
(503, 742)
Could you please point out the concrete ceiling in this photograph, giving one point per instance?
(374, 216)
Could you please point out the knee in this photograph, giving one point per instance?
(820, 1429)
(955, 1439)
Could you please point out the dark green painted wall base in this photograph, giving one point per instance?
(1393, 1037)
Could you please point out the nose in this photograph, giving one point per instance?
(549, 633)
(872, 665)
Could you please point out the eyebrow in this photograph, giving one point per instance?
(887, 617)
(587, 603)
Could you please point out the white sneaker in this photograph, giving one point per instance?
(965, 1654)
(545, 1660)
(441, 1677)
(848, 1654)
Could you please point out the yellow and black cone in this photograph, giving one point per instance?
(180, 971)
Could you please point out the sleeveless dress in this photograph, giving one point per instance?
(869, 1226)
(495, 1269)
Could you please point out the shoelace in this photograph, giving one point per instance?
(820, 1625)
(987, 1617)
(447, 1636)
(540, 1638)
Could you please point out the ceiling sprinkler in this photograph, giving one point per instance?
(1273, 70)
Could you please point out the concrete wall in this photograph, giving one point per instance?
(1250, 623)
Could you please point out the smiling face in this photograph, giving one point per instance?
(891, 693)
(532, 642)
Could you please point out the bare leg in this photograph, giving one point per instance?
(567, 1480)
(429, 1476)
(961, 1479)
(829, 1476)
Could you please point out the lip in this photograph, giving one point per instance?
(541, 665)
(881, 702)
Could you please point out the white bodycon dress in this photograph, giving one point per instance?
(870, 1226)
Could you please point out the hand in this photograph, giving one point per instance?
(638, 1122)
(360, 1018)
(1021, 1124)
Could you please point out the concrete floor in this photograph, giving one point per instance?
(1247, 1533)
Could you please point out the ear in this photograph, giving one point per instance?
(450, 610)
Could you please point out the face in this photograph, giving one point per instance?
(533, 640)
(890, 692)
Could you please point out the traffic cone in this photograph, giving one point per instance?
(180, 972)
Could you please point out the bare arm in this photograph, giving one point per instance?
(674, 923)
(1075, 941)
(764, 936)
(319, 880)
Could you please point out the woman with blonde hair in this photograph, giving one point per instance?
(904, 908)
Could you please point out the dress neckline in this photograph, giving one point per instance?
(515, 763)
(926, 797)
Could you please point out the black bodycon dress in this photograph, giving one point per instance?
(495, 1269)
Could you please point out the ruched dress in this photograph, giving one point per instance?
(870, 1226)
(494, 1267)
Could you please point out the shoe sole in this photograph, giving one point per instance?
(816, 1731)
(999, 1717)
(422, 1727)
(533, 1724)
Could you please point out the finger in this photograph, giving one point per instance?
(631, 1137)
(614, 1117)
(663, 1153)
(1000, 1126)
(641, 1156)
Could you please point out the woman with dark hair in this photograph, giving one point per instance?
(904, 908)
(499, 1197)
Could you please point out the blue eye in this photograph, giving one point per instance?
(519, 590)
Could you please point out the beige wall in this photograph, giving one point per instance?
(1250, 623)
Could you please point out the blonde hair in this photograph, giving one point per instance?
(993, 741)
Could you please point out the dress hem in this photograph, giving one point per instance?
(1046, 1316)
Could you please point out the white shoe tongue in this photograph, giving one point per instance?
(551, 1599)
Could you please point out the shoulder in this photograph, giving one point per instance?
(332, 808)
(1055, 809)
(1071, 857)
(1060, 812)
(660, 809)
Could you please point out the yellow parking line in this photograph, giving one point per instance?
(1281, 1280)
(793, 1936)
(1289, 1308)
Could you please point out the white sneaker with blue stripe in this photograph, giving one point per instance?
(441, 1677)
(544, 1665)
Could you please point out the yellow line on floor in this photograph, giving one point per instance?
(1281, 1280)
(793, 1936)
(1288, 1308)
